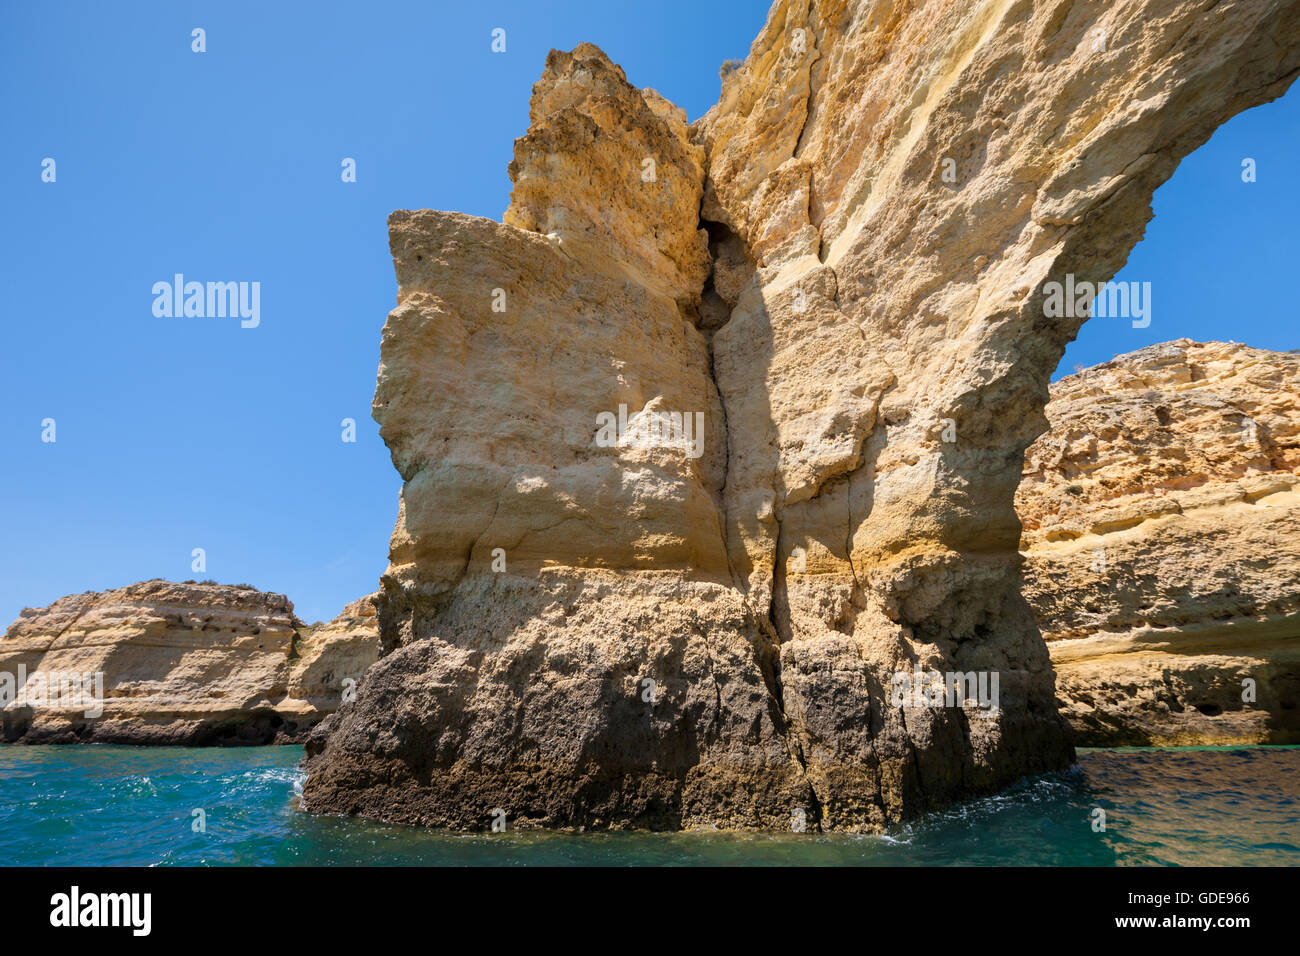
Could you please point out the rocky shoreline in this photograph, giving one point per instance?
(641, 630)
(735, 494)
(1158, 512)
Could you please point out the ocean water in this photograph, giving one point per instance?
(94, 805)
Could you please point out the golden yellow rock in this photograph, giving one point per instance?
(164, 663)
(609, 171)
(1161, 518)
(592, 619)
(329, 661)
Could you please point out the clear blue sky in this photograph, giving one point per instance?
(174, 434)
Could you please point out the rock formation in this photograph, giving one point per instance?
(164, 663)
(329, 660)
(1161, 518)
(674, 523)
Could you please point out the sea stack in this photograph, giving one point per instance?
(841, 266)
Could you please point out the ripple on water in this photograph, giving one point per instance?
(119, 805)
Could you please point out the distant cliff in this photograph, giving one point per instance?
(1162, 534)
(164, 663)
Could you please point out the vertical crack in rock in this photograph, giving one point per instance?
(778, 618)
(731, 270)
(487, 526)
(840, 268)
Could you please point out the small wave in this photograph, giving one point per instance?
(137, 786)
(264, 776)
(135, 806)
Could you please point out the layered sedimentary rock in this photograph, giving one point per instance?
(165, 663)
(1162, 537)
(563, 637)
(592, 618)
(329, 660)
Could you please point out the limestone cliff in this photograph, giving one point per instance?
(1161, 527)
(669, 535)
(330, 659)
(164, 663)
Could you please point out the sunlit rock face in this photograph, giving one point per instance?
(838, 272)
(1162, 514)
(187, 663)
(329, 660)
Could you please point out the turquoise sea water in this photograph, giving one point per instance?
(92, 805)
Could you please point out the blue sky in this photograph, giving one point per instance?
(1220, 252)
(179, 434)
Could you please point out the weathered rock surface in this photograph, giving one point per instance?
(164, 663)
(1162, 538)
(885, 188)
(600, 163)
(329, 660)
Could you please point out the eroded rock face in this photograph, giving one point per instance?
(610, 172)
(1161, 514)
(164, 663)
(329, 660)
(884, 190)
(563, 638)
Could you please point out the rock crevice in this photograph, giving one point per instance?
(839, 269)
